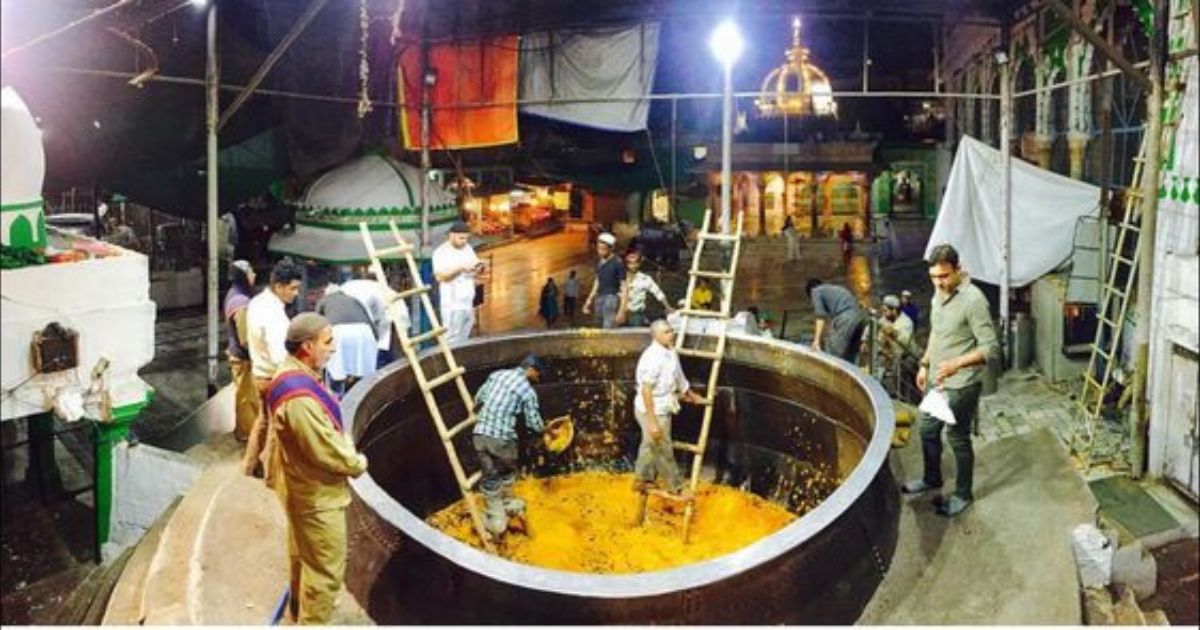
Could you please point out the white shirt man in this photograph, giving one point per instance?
(375, 298)
(661, 384)
(267, 322)
(266, 334)
(639, 285)
(455, 266)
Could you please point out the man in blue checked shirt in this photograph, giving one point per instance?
(503, 395)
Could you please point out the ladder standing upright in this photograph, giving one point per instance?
(411, 346)
(716, 356)
(1115, 297)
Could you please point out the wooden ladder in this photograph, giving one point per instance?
(716, 356)
(411, 346)
(1116, 294)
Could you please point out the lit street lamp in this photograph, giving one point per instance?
(726, 44)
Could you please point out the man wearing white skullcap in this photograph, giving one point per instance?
(609, 295)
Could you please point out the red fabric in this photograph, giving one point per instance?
(470, 71)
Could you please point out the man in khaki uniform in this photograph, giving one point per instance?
(308, 461)
(247, 401)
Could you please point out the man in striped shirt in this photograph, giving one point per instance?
(503, 395)
(639, 285)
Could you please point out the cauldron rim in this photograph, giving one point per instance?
(652, 583)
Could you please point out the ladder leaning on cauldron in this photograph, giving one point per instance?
(454, 373)
(716, 356)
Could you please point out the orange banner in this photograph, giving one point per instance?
(473, 71)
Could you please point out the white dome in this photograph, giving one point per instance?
(372, 182)
(22, 159)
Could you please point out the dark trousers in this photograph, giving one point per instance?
(963, 402)
(569, 307)
(497, 462)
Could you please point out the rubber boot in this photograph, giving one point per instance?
(513, 505)
(495, 518)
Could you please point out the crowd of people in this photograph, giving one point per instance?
(289, 373)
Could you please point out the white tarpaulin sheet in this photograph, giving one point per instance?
(1045, 207)
(604, 64)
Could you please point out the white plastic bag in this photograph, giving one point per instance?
(937, 405)
(1093, 555)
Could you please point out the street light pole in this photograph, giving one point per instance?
(726, 45)
(727, 149)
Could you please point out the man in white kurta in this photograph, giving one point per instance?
(455, 266)
(661, 385)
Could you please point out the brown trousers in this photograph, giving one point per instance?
(316, 563)
(260, 435)
(246, 399)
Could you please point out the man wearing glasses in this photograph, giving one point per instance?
(961, 339)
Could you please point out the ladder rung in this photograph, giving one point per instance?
(407, 293)
(458, 428)
(694, 312)
(717, 236)
(702, 354)
(689, 447)
(1087, 378)
(473, 479)
(425, 336)
(1110, 322)
(1107, 356)
(663, 494)
(445, 378)
(705, 402)
(1123, 259)
(719, 275)
(394, 250)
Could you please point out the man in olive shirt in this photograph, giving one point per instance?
(961, 339)
(308, 463)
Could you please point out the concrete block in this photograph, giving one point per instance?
(1136, 568)
(1093, 556)
(1097, 607)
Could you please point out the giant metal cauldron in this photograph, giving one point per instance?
(785, 415)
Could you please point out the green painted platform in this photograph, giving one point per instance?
(1124, 501)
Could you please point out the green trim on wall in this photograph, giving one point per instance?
(348, 261)
(374, 227)
(372, 212)
(25, 205)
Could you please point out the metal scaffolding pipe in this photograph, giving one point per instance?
(1108, 50)
(98, 13)
(284, 44)
(212, 103)
(1099, 76)
(1006, 203)
(485, 104)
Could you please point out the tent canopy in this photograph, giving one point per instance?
(372, 189)
(1045, 208)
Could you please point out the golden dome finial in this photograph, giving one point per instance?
(796, 88)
